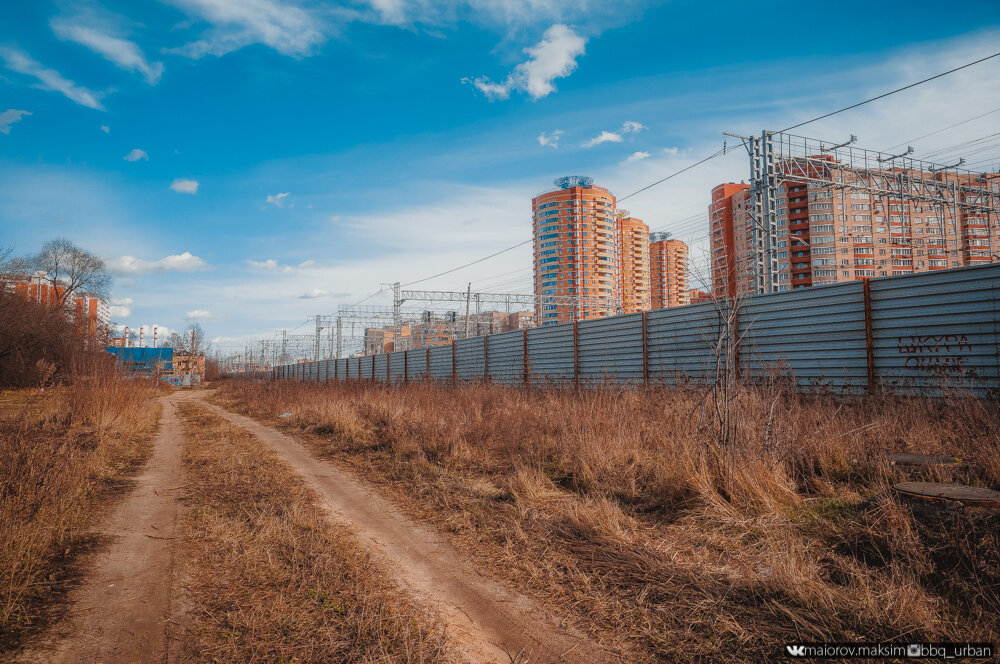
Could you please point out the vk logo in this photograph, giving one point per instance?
(796, 651)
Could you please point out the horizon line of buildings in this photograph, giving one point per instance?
(592, 260)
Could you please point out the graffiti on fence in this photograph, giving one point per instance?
(935, 353)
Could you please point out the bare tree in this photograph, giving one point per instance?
(197, 340)
(192, 340)
(69, 269)
(175, 341)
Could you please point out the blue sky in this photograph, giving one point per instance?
(247, 163)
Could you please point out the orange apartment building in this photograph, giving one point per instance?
(721, 228)
(90, 313)
(576, 251)
(829, 234)
(584, 248)
(634, 273)
(668, 259)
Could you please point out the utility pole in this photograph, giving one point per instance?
(468, 301)
(340, 336)
(319, 328)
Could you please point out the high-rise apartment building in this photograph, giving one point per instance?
(634, 273)
(668, 260)
(720, 220)
(576, 251)
(829, 233)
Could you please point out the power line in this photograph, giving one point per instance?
(933, 133)
(675, 174)
(891, 92)
(462, 267)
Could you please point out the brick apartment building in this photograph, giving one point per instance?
(634, 274)
(668, 259)
(584, 248)
(829, 234)
(576, 252)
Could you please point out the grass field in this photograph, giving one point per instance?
(671, 527)
(268, 578)
(65, 454)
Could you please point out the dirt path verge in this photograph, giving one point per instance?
(120, 613)
(268, 578)
(488, 623)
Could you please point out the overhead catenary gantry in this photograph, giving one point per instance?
(778, 157)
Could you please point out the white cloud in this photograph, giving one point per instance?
(636, 156)
(198, 314)
(284, 26)
(551, 140)
(335, 218)
(121, 307)
(136, 154)
(605, 137)
(96, 34)
(106, 129)
(628, 127)
(277, 199)
(271, 265)
(182, 186)
(186, 262)
(49, 79)
(671, 151)
(314, 293)
(9, 117)
(553, 57)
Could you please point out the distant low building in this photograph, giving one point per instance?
(698, 296)
(189, 363)
(145, 361)
(519, 320)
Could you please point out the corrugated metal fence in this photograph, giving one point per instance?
(918, 333)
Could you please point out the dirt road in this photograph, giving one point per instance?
(487, 622)
(120, 613)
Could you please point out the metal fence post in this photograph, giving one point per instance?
(406, 366)
(869, 333)
(388, 376)
(454, 366)
(373, 368)
(735, 331)
(486, 357)
(576, 354)
(645, 351)
(524, 357)
(427, 363)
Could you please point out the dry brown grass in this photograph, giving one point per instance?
(65, 453)
(268, 577)
(623, 508)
